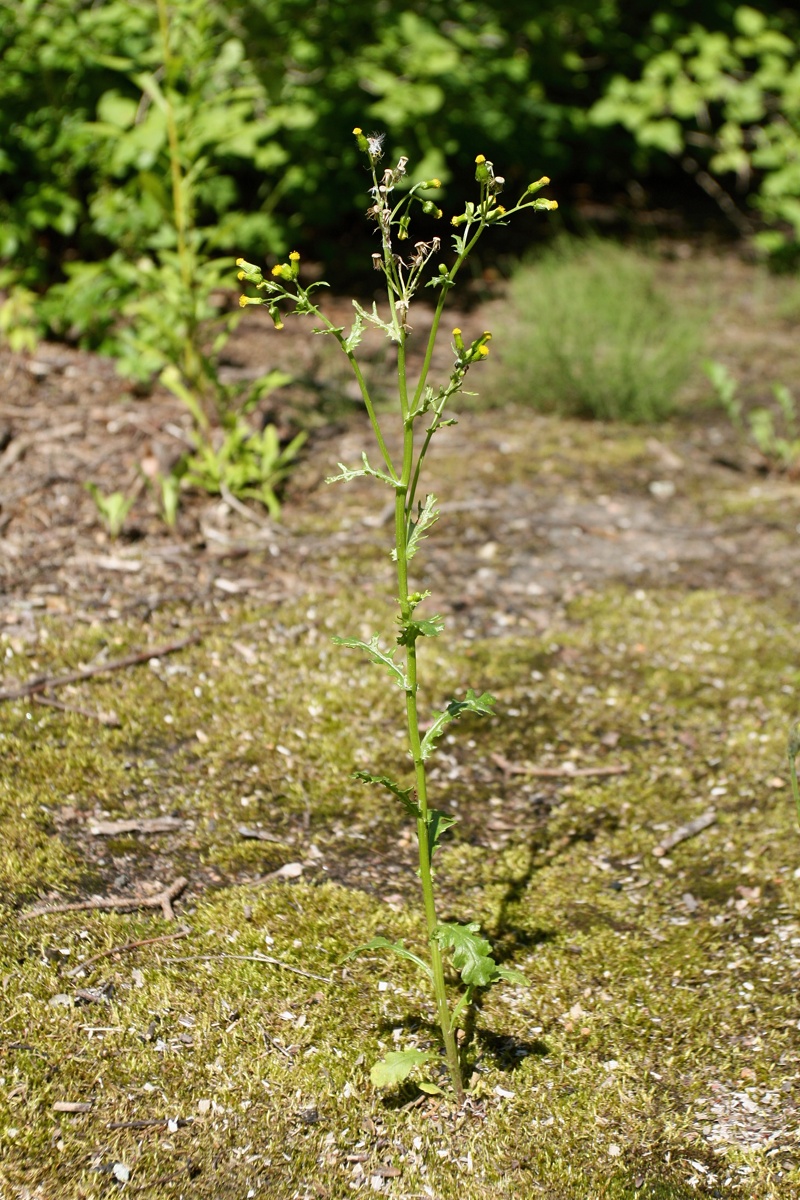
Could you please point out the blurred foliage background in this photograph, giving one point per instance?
(626, 106)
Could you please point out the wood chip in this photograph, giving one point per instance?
(683, 832)
(567, 771)
(143, 825)
(260, 835)
(72, 1106)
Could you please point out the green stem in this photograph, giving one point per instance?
(415, 744)
(362, 383)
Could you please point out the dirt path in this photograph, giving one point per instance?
(533, 510)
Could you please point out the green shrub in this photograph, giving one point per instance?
(726, 105)
(589, 334)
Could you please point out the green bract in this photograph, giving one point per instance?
(420, 410)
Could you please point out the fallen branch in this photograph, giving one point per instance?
(105, 718)
(152, 1123)
(163, 901)
(42, 683)
(142, 825)
(684, 831)
(567, 771)
(262, 958)
(87, 962)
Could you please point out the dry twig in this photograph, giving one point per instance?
(568, 771)
(41, 683)
(163, 900)
(105, 718)
(87, 962)
(684, 831)
(142, 825)
(262, 958)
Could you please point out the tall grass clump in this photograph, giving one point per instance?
(590, 334)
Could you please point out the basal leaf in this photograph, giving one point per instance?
(402, 794)
(425, 1085)
(471, 953)
(373, 650)
(512, 975)
(397, 1066)
(382, 943)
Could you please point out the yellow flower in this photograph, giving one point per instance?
(357, 130)
(294, 256)
(481, 158)
(277, 269)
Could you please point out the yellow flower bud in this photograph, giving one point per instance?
(483, 351)
(294, 256)
(481, 158)
(357, 130)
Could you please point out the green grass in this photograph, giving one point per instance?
(620, 1073)
(587, 332)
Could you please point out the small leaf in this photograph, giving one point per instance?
(438, 822)
(402, 794)
(425, 1085)
(427, 627)
(512, 975)
(382, 943)
(355, 335)
(471, 953)
(348, 473)
(377, 655)
(427, 515)
(482, 705)
(375, 320)
(397, 1066)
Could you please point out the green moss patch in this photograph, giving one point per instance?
(655, 1052)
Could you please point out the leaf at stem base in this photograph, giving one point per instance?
(397, 1066)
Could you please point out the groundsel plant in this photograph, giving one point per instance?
(422, 408)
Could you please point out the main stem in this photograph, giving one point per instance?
(415, 744)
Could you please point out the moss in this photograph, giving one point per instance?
(660, 991)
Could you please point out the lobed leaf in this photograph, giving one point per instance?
(402, 794)
(377, 321)
(373, 650)
(353, 339)
(427, 627)
(427, 515)
(438, 822)
(482, 705)
(471, 953)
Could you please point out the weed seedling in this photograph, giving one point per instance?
(112, 509)
(775, 435)
(422, 407)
